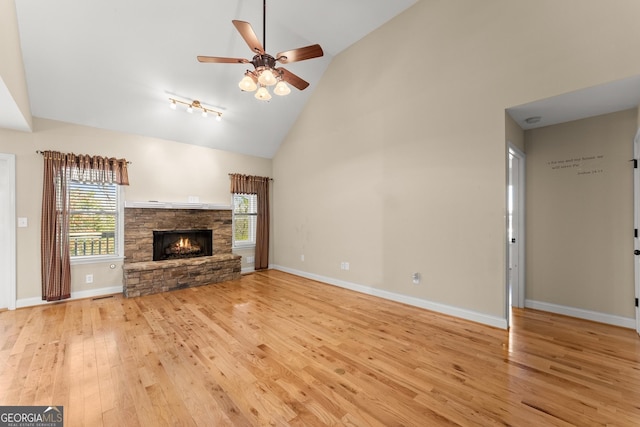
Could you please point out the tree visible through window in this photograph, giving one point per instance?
(245, 211)
(93, 219)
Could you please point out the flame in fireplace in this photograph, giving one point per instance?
(183, 247)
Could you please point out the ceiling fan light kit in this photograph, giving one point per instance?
(265, 72)
(195, 104)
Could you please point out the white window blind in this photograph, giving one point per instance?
(93, 221)
(245, 213)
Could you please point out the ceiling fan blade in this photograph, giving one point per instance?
(300, 54)
(220, 60)
(292, 79)
(245, 30)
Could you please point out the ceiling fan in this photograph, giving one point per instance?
(265, 72)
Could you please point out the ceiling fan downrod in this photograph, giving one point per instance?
(264, 25)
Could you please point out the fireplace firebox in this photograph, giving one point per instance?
(175, 244)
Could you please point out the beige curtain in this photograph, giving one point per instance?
(59, 169)
(259, 186)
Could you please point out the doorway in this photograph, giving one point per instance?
(8, 231)
(515, 229)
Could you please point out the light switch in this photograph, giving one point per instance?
(23, 222)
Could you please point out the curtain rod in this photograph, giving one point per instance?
(42, 153)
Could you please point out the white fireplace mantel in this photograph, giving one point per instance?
(153, 204)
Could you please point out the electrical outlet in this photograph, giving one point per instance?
(416, 278)
(88, 278)
(302, 257)
(346, 265)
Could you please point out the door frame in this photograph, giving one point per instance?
(518, 294)
(636, 224)
(8, 263)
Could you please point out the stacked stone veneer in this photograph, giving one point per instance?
(143, 276)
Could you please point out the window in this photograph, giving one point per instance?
(245, 213)
(95, 228)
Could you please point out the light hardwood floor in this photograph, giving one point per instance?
(277, 349)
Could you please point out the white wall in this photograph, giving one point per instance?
(579, 212)
(513, 132)
(397, 164)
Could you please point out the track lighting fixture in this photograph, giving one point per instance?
(197, 105)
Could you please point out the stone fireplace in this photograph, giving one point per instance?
(203, 256)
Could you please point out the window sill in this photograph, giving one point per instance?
(96, 259)
(247, 246)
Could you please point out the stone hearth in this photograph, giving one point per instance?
(143, 276)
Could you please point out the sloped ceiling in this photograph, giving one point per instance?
(114, 64)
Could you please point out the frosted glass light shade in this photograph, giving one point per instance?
(263, 94)
(282, 89)
(267, 78)
(247, 84)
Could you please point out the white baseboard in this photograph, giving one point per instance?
(473, 316)
(247, 270)
(594, 316)
(89, 293)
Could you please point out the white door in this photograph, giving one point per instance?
(7, 231)
(636, 224)
(515, 228)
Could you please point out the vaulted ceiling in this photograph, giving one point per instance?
(114, 64)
